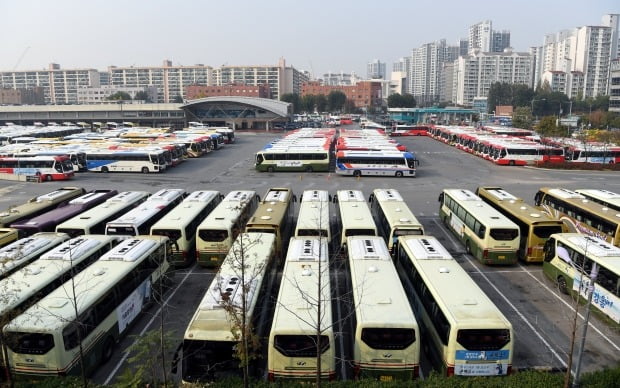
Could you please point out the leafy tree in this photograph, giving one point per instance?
(522, 118)
(397, 100)
(142, 95)
(547, 127)
(119, 96)
(321, 103)
(292, 98)
(336, 100)
(308, 102)
(146, 359)
(349, 106)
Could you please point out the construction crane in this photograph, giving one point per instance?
(20, 58)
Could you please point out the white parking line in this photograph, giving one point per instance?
(125, 355)
(558, 297)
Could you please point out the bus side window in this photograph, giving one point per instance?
(549, 250)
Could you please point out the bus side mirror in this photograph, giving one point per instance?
(371, 198)
(294, 198)
(258, 197)
(440, 199)
(330, 197)
(335, 199)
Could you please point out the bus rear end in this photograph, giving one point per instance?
(481, 351)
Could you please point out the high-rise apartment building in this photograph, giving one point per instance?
(614, 86)
(375, 70)
(169, 80)
(281, 79)
(483, 38)
(584, 54)
(474, 74)
(60, 86)
(425, 70)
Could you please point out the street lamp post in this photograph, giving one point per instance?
(532, 108)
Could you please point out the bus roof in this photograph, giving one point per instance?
(315, 196)
(593, 247)
(57, 309)
(483, 212)
(459, 296)
(350, 196)
(211, 321)
(371, 269)
(516, 206)
(31, 279)
(307, 249)
(300, 281)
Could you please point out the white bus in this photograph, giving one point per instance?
(208, 343)
(355, 216)
(386, 342)
(23, 251)
(314, 215)
(488, 235)
(108, 296)
(29, 284)
(358, 163)
(463, 330)
(216, 233)
(139, 160)
(572, 260)
(393, 216)
(93, 221)
(294, 340)
(140, 219)
(181, 223)
(604, 197)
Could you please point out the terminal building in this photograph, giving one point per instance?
(233, 111)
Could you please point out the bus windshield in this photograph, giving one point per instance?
(30, 343)
(388, 338)
(173, 234)
(547, 231)
(300, 345)
(359, 232)
(215, 235)
(483, 339)
(504, 234)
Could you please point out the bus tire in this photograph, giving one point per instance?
(104, 169)
(357, 173)
(399, 174)
(512, 163)
(145, 170)
(107, 350)
(48, 178)
(562, 285)
(309, 169)
(468, 248)
(270, 169)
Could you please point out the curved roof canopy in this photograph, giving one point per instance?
(236, 106)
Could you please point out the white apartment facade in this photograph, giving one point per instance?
(60, 86)
(169, 80)
(100, 95)
(474, 74)
(280, 78)
(425, 70)
(584, 54)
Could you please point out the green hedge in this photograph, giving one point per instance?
(607, 378)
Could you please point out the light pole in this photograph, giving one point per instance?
(534, 100)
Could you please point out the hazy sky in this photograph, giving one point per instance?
(319, 35)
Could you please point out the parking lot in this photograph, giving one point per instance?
(540, 315)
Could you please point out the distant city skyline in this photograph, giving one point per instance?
(318, 36)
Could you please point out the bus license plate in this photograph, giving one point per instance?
(501, 257)
(385, 378)
(214, 258)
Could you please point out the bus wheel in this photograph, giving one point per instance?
(309, 169)
(399, 174)
(357, 173)
(145, 170)
(107, 350)
(562, 285)
(269, 169)
(104, 169)
(512, 163)
(48, 178)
